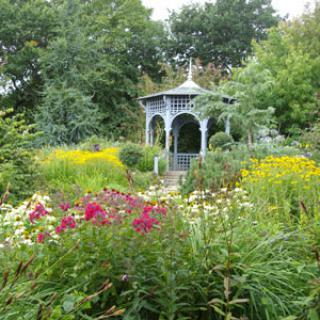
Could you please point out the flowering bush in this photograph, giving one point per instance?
(21, 225)
(80, 157)
(290, 183)
(153, 256)
(36, 220)
(70, 170)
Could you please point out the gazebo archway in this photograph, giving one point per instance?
(155, 130)
(186, 141)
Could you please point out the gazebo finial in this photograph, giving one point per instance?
(190, 70)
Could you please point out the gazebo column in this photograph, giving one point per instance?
(227, 125)
(203, 130)
(168, 131)
(176, 139)
(175, 145)
(147, 133)
(151, 138)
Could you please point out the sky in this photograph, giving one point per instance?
(292, 7)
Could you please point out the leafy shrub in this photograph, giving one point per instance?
(17, 169)
(311, 138)
(146, 164)
(220, 140)
(93, 143)
(222, 168)
(130, 155)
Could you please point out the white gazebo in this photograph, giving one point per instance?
(176, 108)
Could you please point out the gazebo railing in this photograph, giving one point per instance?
(182, 161)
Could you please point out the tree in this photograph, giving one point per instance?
(26, 27)
(96, 50)
(92, 68)
(17, 169)
(291, 53)
(220, 32)
(250, 88)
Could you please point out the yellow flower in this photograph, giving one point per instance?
(80, 157)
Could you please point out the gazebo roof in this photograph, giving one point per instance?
(189, 87)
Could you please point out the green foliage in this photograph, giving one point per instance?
(25, 30)
(219, 32)
(17, 169)
(243, 264)
(66, 60)
(206, 76)
(291, 54)
(222, 168)
(131, 155)
(220, 140)
(95, 142)
(66, 116)
(311, 138)
(249, 89)
(146, 163)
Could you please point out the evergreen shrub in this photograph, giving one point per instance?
(221, 140)
(130, 155)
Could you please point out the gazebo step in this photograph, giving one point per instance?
(173, 178)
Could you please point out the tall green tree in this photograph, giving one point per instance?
(67, 113)
(220, 32)
(17, 168)
(250, 88)
(26, 27)
(95, 63)
(94, 56)
(291, 54)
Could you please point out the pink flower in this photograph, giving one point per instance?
(145, 223)
(94, 210)
(96, 214)
(37, 213)
(66, 222)
(42, 236)
(59, 229)
(65, 206)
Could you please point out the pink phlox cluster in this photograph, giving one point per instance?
(145, 223)
(65, 206)
(160, 210)
(95, 213)
(66, 222)
(39, 212)
(42, 236)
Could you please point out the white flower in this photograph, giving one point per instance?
(27, 241)
(19, 231)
